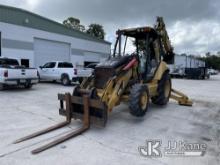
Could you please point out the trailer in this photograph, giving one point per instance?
(188, 67)
(178, 68)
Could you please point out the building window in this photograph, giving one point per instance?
(25, 62)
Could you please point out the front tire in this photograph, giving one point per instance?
(139, 100)
(65, 80)
(163, 90)
(28, 86)
(2, 87)
(38, 76)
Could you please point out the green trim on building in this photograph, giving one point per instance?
(13, 44)
(23, 45)
(25, 18)
(81, 52)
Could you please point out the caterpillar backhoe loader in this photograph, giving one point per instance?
(136, 78)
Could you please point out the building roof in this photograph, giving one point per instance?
(25, 18)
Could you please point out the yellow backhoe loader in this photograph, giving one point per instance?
(136, 78)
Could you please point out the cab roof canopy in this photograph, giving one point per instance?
(139, 33)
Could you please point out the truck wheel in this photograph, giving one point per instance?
(2, 87)
(28, 86)
(65, 80)
(163, 89)
(38, 76)
(139, 100)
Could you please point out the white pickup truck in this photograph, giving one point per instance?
(11, 74)
(62, 71)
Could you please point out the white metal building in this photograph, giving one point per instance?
(35, 40)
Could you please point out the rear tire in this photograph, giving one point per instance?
(28, 86)
(38, 76)
(139, 100)
(163, 90)
(65, 80)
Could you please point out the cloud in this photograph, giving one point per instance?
(130, 11)
(193, 25)
(195, 37)
(25, 4)
(32, 4)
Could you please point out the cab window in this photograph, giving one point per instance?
(65, 65)
(50, 65)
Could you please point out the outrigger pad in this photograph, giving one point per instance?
(186, 103)
(97, 109)
(181, 98)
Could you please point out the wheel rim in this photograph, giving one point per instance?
(167, 89)
(144, 101)
(65, 81)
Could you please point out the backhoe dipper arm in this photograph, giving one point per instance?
(160, 27)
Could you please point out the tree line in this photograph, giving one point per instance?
(212, 60)
(97, 30)
(94, 29)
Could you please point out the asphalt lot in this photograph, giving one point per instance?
(25, 111)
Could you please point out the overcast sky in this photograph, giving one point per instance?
(193, 25)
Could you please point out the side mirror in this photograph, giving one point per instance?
(40, 67)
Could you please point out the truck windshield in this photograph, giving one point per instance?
(10, 62)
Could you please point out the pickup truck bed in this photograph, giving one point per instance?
(16, 75)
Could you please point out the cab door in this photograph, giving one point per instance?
(46, 72)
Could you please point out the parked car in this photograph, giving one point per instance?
(62, 71)
(91, 65)
(212, 71)
(86, 71)
(12, 74)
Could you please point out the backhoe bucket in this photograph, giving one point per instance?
(180, 98)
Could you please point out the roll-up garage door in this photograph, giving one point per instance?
(93, 57)
(46, 51)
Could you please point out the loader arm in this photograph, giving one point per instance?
(115, 89)
(117, 85)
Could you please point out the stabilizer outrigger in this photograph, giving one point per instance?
(181, 98)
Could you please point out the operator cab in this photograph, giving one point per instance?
(145, 45)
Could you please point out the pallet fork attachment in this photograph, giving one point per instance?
(86, 124)
(181, 98)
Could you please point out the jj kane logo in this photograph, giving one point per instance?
(153, 148)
